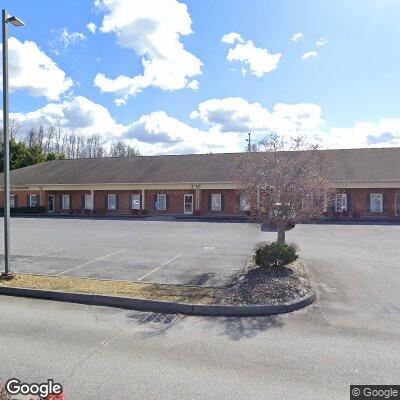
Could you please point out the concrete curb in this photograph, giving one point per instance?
(166, 307)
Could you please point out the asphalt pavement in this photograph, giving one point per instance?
(351, 335)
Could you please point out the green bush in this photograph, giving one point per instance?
(24, 210)
(274, 254)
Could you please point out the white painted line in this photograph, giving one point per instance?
(39, 255)
(49, 252)
(156, 269)
(90, 262)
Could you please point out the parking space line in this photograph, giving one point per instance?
(90, 262)
(156, 269)
(48, 252)
(41, 254)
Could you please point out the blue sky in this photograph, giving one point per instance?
(199, 93)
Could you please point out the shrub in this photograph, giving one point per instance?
(274, 254)
(24, 210)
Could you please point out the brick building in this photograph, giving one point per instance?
(368, 179)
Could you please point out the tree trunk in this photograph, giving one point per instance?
(281, 227)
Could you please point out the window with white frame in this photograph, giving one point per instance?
(65, 202)
(33, 200)
(88, 202)
(376, 202)
(12, 200)
(216, 202)
(112, 202)
(341, 202)
(161, 202)
(136, 202)
(244, 202)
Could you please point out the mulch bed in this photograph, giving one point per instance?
(256, 285)
(270, 285)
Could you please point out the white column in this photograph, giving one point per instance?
(198, 199)
(92, 195)
(143, 199)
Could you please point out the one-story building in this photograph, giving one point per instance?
(368, 179)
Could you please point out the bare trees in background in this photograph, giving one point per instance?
(285, 182)
(74, 145)
(47, 143)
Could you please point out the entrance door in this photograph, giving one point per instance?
(188, 206)
(51, 203)
(397, 204)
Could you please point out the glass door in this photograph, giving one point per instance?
(51, 203)
(188, 204)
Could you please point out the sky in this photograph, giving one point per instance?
(174, 76)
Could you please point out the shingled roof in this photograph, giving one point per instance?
(381, 164)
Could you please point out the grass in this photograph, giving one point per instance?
(139, 290)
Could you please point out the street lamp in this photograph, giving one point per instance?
(7, 18)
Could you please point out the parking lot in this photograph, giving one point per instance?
(143, 250)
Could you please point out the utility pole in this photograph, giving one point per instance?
(6, 18)
(249, 148)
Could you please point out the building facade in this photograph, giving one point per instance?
(368, 183)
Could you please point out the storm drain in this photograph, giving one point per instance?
(159, 318)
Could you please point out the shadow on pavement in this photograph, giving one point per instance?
(240, 328)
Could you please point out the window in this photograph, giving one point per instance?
(112, 201)
(136, 202)
(161, 202)
(341, 202)
(244, 203)
(88, 202)
(216, 202)
(12, 200)
(65, 202)
(376, 202)
(33, 200)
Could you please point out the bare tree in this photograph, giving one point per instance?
(285, 182)
(122, 149)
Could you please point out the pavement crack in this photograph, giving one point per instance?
(90, 355)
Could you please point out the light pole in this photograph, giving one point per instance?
(6, 18)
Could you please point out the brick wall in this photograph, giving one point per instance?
(230, 201)
(22, 197)
(175, 201)
(358, 200)
(75, 200)
(124, 201)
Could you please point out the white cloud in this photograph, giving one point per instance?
(235, 114)
(384, 133)
(92, 27)
(296, 37)
(194, 84)
(152, 29)
(321, 42)
(120, 102)
(158, 132)
(227, 121)
(64, 39)
(309, 54)
(259, 60)
(232, 37)
(243, 71)
(33, 70)
(77, 115)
